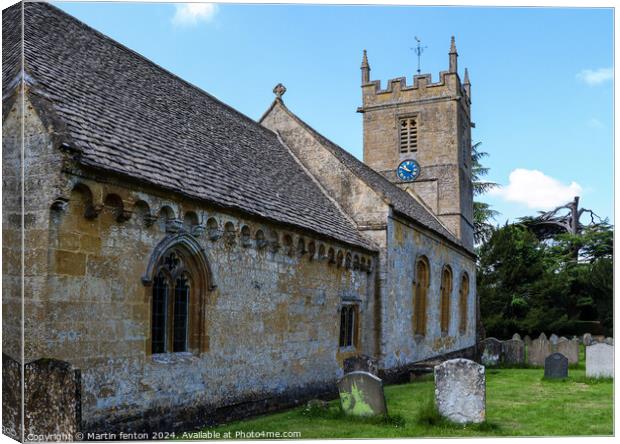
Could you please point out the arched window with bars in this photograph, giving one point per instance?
(463, 296)
(178, 278)
(446, 291)
(420, 293)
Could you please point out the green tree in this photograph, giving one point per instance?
(483, 214)
(530, 285)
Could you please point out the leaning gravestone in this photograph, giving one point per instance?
(490, 350)
(516, 337)
(361, 394)
(460, 391)
(570, 349)
(600, 361)
(587, 339)
(538, 351)
(513, 351)
(556, 366)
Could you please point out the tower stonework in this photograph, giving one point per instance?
(431, 124)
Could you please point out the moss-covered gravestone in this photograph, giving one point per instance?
(361, 394)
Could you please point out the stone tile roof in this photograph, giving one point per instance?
(401, 201)
(126, 115)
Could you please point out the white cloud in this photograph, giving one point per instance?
(536, 190)
(595, 76)
(190, 14)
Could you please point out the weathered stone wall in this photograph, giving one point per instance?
(401, 346)
(271, 323)
(444, 142)
(41, 184)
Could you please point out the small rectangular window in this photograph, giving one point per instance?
(348, 325)
(408, 135)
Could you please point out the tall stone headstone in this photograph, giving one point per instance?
(460, 391)
(556, 366)
(587, 339)
(600, 361)
(361, 394)
(513, 352)
(516, 337)
(553, 339)
(538, 351)
(570, 349)
(490, 352)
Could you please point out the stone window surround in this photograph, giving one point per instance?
(354, 304)
(445, 291)
(420, 298)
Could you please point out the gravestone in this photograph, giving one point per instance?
(513, 352)
(570, 349)
(516, 337)
(556, 366)
(609, 341)
(460, 391)
(538, 351)
(587, 339)
(361, 363)
(598, 338)
(553, 339)
(600, 361)
(490, 352)
(361, 394)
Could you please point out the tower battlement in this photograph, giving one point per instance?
(448, 84)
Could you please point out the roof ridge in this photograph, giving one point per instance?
(145, 59)
(322, 139)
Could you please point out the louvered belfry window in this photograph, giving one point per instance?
(408, 135)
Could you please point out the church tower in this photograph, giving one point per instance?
(430, 124)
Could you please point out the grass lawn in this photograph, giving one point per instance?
(519, 403)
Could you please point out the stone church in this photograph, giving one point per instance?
(184, 264)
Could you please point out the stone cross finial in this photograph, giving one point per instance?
(279, 90)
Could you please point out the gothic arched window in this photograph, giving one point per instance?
(170, 323)
(420, 290)
(446, 291)
(463, 293)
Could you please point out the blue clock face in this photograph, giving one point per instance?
(408, 170)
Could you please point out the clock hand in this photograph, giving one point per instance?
(406, 169)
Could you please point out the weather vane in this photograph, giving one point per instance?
(419, 49)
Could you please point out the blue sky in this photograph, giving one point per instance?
(542, 78)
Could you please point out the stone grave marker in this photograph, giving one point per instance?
(587, 339)
(570, 349)
(553, 339)
(513, 352)
(600, 361)
(538, 351)
(609, 341)
(460, 391)
(516, 337)
(361, 394)
(490, 350)
(556, 366)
